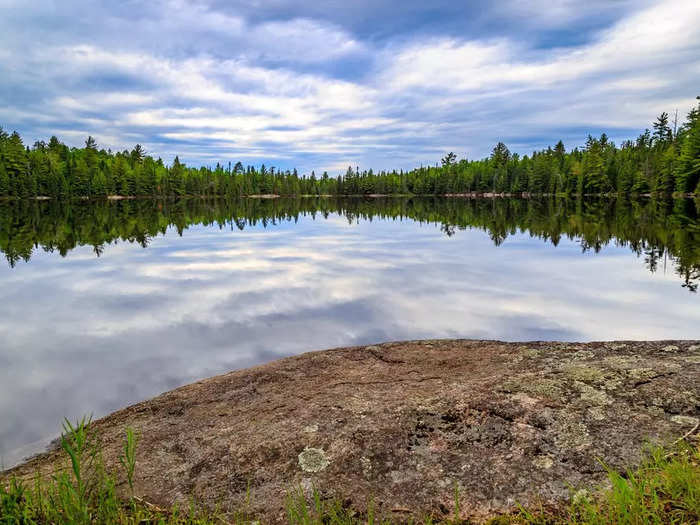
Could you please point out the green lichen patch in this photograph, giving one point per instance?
(571, 433)
(642, 374)
(612, 382)
(620, 362)
(531, 353)
(582, 355)
(543, 462)
(580, 497)
(313, 460)
(592, 396)
(539, 387)
(596, 413)
(586, 374)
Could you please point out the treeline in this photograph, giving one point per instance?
(661, 231)
(663, 160)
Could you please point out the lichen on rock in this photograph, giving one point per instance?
(406, 422)
(313, 460)
(531, 353)
(580, 497)
(685, 420)
(543, 462)
(587, 374)
(540, 387)
(591, 395)
(571, 433)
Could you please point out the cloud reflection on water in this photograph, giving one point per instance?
(85, 335)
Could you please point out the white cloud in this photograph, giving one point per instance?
(302, 40)
(190, 80)
(559, 13)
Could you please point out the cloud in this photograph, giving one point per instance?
(302, 40)
(303, 87)
(561, 13)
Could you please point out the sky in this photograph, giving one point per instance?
(323, 85)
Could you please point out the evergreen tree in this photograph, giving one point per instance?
(662, 131)
(656, 162)
(666, 180)
(4, 180)
(594, 176)
(688, 165)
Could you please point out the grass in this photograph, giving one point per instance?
(664, 489)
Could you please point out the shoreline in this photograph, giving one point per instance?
(472, 195)
(401, 422)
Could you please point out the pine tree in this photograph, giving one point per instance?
(595, 179)
(665, 182)
(177, 183)
(98, 185)
(688, 166)
(15, 156)
(15, 159)
(4, 180)
(662, 131)
(81, 178)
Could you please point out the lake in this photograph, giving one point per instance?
(103, 304)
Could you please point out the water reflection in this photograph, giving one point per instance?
(228, 285)
(657, 229)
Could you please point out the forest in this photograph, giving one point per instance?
(662, 160)
(665, 233)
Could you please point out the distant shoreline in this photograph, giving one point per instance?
(486, 195)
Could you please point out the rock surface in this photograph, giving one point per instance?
(403, 423)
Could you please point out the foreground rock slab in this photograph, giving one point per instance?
(402, 423)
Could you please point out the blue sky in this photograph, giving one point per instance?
(324, 85)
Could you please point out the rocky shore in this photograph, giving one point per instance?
(402, 424)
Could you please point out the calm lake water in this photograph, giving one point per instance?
(105, 304)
